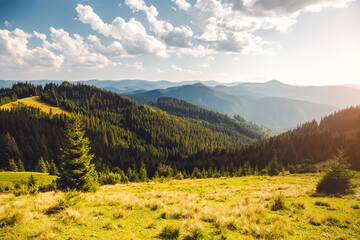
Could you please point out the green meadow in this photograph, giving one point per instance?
(10, 179)
(254, 207)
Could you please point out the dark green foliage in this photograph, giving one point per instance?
(170, 232)
(273, 168)
(76, 170)
(112, 178)
(337, 179)
(279, 203)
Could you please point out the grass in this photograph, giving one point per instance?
(226, 208)
(9, 179)
(35, 102)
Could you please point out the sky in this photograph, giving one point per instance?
(300, 42)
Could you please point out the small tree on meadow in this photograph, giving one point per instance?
(76, 170)
(41, 166)
(337, 179)
(142, 173)
(273, 167)
(12, 165)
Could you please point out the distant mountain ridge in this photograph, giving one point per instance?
(277, 113)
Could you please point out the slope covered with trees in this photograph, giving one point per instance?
(122, 133)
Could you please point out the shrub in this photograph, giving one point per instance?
(263, 172)
(170, 232)
(196, 234)
(279, 203)
(337, 179)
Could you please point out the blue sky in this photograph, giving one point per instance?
(303, 42)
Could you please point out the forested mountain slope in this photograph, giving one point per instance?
(121, 132)
(183, 108)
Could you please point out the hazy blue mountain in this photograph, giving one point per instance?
(121, 86)
(276, 113)
(339, 96)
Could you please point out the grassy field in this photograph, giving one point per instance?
(37, 103)
(9, 179)
(227, 208)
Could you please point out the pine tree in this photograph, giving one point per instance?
(76, 170)
(273, 167)
(12, 165)
(53, 169)
(41, 166)
(20, 165)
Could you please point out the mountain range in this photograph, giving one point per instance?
(274, 104)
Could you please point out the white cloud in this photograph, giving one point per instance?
(115, 49)
(235, 59)
(137, 65)
(179, 69)
(210, 58)
(204, 65)
(160, 71)
(77, 52)
(172, 36)
(173, 8)
(182, 4)
(7, 24)
(231, 25)
(132, 34)
(15, 54)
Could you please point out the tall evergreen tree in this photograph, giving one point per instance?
(76, 170)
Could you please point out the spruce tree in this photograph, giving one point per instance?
(12, 165)
(142, 173)
(76, 170)
(53, 169)
(41, 166)
(20, 165)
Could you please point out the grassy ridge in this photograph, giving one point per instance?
(35, 102)
(9, 179)
(227, 208)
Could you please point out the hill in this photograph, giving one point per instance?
(35, 102)
(185, 109)
(225, 208)
(310, 143)
(278, 113)
(122, 133)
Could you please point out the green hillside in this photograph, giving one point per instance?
(122, 133)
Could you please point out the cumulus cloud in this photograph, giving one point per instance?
(231, 25)
(183, 70)
(76, 51)
(132, 34)
(172, 36)
(182, 4)
(15, 54)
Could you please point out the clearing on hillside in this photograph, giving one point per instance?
(9, 179)
(37, 103)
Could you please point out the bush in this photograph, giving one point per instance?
(263, 172)
(279, 203)
(337, 179)
(170, 233)
(112, 178)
